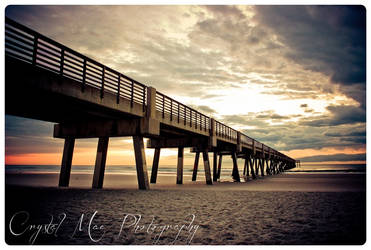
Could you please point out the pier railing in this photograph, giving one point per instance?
(246, 141)
(181, 113)
(34, 48)
(224, 131)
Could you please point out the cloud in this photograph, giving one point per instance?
(204, 109)
(201, 53)
(339, 115)
(335, 157)
(271, 115)
(327, 39)
(290, 134)
(29, 136)
(346, 134)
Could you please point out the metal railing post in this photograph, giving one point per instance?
(118, 89)
(35, 45)
(102, 89)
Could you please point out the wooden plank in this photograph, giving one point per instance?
(100, 162)
(195, 166)
(156, 159)
(205, 155)
(140, 162)
(64, 176)
(179, 171)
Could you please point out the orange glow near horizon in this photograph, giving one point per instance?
(127, 157)
(333, 162)
(34, 159)
(87, 157)
(299, 153)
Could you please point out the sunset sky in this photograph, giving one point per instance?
(292, 77)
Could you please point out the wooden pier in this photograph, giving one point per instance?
(48, 81)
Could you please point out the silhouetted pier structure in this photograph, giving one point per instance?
(298, 163)
(48, 81)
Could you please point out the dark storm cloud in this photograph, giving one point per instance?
(339, 115)
(327, 39)
(290, 136)
(339, 130)
(356, 133)
(29, 136)
(355, 136)
(335, 157)
(30, 127)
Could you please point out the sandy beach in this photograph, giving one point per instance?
(293, 208)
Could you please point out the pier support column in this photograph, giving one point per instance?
(140, 162)
(179, 171)
(156, 159)
(195, 166)
(235, 173)
(205, 155)
(64, 176)
(220, 166)
(262, 166)
(256, 166)
(246, 167)
(267, 167)
(100, 162)
(269, 164)
(252, 167)
(215, 159)
(246, 170)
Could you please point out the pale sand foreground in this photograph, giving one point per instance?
(292, 209)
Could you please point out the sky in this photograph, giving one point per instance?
(292, 77)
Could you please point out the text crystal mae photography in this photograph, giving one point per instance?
(185, 125)
(130, 225)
